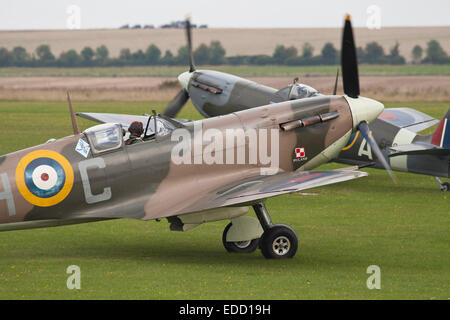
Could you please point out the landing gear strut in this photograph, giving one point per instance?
(444, 186)
(278, 240)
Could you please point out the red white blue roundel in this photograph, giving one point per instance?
(44, 177)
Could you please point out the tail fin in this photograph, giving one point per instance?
(441, 136)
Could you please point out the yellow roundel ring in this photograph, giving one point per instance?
(351, 143)
(44, 178)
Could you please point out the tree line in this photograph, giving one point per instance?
(215, 54)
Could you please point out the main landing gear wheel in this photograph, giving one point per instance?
(248, 246)
(278, 241)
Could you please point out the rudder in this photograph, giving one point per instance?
(441, 136)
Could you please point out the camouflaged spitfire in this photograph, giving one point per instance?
(94, 175)
(189, 172)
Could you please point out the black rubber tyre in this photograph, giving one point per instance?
(240, 246)
(279, 242)
(445, 186)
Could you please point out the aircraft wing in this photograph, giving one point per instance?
(124, 119)
(252, 189)
(407, 118)
(283, 183)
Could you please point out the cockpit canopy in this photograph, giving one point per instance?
(110, 135)
(297, 91)
(104, 137)
(163, 127)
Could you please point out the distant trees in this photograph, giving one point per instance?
(394, 56)
(329, 54)
(44, 55)
(215, 54)
(435, 53)
(69, 59)
(202, 54)
(87, 56)
(20, 56)
(373, 54)
(417, 53)
(6, 58)
(101, 55)
(282, 54)
(152, 55)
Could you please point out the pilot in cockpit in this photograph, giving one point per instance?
(297, 91)
(136, 130)
(300, 91)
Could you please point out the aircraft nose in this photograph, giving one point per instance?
(364, 109)
(184, 78)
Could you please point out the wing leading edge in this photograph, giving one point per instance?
(283, 183)
(253, 189)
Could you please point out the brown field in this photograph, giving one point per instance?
(235, 41)
(393, 88)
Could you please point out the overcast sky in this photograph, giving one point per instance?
(58, 14)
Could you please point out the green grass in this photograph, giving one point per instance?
(243, 71)
(342, 229)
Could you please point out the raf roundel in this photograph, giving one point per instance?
(44, 178)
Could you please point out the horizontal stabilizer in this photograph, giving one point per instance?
(417, 149)
(407, 118)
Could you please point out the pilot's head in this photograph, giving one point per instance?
(136, 128)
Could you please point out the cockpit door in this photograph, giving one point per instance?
(109, 166)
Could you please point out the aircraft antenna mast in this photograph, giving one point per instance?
(72, 116)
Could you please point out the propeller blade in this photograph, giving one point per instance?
(367, 134)
(177, 103)
(349, 61)
(189, 44)
(336, 83)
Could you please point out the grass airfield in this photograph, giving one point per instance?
(342, 228)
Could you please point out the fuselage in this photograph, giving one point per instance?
(94, 175)
(358, 151)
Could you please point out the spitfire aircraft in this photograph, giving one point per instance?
(395, 132)
(216, 93)
(191, 172)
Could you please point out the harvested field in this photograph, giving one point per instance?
(235, 41)
(400, 88)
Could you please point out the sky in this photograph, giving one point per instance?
(99, 14)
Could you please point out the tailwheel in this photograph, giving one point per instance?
(279, 242)
(444, 186)
(247, 246)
